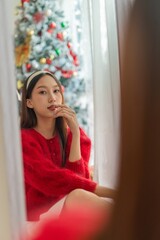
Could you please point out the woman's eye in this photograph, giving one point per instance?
(56, 90)
(42, 92)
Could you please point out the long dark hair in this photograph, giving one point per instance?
(28, 116)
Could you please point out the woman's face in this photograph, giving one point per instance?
(45, 96)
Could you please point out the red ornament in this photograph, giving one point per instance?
(38, 17)
(75, 57)
(28, 67)
(50, 30)
(23, 1)
(76, 62)
(69, 45)
(72, 53)
(48, 61)
(60, 36)
(52, 25)
(67, 74)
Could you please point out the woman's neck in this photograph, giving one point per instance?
(46, 129)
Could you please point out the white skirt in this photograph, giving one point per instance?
(54, 211)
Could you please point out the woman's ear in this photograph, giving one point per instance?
(29, 103)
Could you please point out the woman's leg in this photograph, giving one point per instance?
(80, 198)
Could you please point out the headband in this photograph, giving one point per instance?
(34, 75)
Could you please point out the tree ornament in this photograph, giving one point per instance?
(67, 74)
(75, 73)
(63, 24)
(48, 12)
(30, 32)
(58, 51)
(60, 36)
(72, 53)
(35, 64)
(38, 17)
(19, 84)
(42, 60)
(76, 63)
(23, 1)
(69, 45)
(52, 25)
(22, 52)
(28, 67)
(75, 60)
(48, 61)
(65, 34)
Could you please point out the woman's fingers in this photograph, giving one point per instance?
(64, 111)
(66, 114)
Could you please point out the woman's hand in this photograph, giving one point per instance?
(63, 110)
(71, 120)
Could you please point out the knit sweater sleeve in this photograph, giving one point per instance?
(81, 165)
(42, 174)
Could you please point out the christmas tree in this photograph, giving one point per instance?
(42, 42)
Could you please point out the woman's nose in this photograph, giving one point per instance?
(52, 98)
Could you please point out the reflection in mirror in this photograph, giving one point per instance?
(91, 48)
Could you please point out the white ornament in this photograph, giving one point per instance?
(48, 12)
(35, 64)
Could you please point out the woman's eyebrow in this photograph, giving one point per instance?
(43, 86)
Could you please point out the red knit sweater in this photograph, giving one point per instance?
(46, 181)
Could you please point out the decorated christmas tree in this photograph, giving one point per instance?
(42, 42)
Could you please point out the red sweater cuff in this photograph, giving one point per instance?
(77, 166)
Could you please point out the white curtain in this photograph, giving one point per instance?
(101, 71)
(12, 210)
(106, 90)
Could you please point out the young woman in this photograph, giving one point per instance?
(56, 152)
(136, 213)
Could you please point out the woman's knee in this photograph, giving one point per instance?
(79, 196)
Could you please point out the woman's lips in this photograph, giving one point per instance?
(52, 108)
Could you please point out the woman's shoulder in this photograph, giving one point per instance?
(29, 134)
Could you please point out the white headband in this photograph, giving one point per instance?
(34, 75)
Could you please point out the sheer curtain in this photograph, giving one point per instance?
(101, 71)
(106, 90)
(108, 22)
(12, 210)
